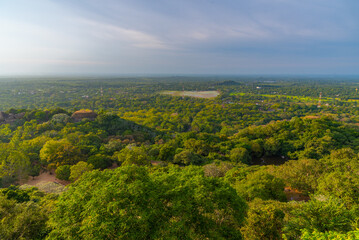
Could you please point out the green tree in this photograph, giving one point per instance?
(306, 235)
(79, 169)
(260, 184)
(130, 203)
(61, 118)
(264, 221)
(300, 174)
(322, 214)
(13, 192)
(63, 172)
(32, 147)
(60, 152)
(5, 133)
(167, 152)
(239, 155)
(187, 157)
(217, 169)
(198, 146)
(340, 176)
(14, 165)
(133, 155)
(271, 146)
(25, 220)
(100, 161)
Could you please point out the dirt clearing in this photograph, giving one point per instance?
(196, 94)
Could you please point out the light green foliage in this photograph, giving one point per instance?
(26, 220)
(300, 138)
(306, 235)
(278, 121)
(78, 169)
(33, 146)
(167, 151)
(239, 155)
(89, 143)
(5, 133)
(14, 165)
(63, 172)
(133, 155)
(60, 152)
(112, 146)
(343, 185)
(197, 146)
(300, 174)
(335, 175)
(264, 221)
(60, 118)
(341, 177)
(343, 153)
(261, 185)
(258, 184)
(25, 132)
(239, 173)
(257, 147)
(130, 203)
(271, 146)
(322, 214)
(217, 169)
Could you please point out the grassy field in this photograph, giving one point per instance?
(297, 98)
(196, 94)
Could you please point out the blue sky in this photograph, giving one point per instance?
(179, 37)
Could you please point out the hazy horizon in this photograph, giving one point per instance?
(184, 38)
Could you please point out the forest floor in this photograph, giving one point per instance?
(45, 177)
(46, 182)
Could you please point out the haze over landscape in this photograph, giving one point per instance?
(48, 37)
(187, 119)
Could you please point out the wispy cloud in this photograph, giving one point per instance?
(134, 37)
(35, 61)
(225, 36)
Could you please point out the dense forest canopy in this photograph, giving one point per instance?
(268, 158)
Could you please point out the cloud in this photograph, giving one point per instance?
(36, 61)
(176, 36)
(134, 37)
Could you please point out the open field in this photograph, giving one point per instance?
(196, 94)
(297, 98)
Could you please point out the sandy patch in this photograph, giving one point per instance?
(196, 94)
(43, 178)
(311, 117)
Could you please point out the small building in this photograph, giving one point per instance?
(83, 113)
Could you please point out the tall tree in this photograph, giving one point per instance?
(131, 203)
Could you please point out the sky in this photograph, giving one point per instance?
(119, 37)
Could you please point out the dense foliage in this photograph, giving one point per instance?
(150, 165)
(131, 203)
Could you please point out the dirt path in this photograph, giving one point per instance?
(44, 177)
